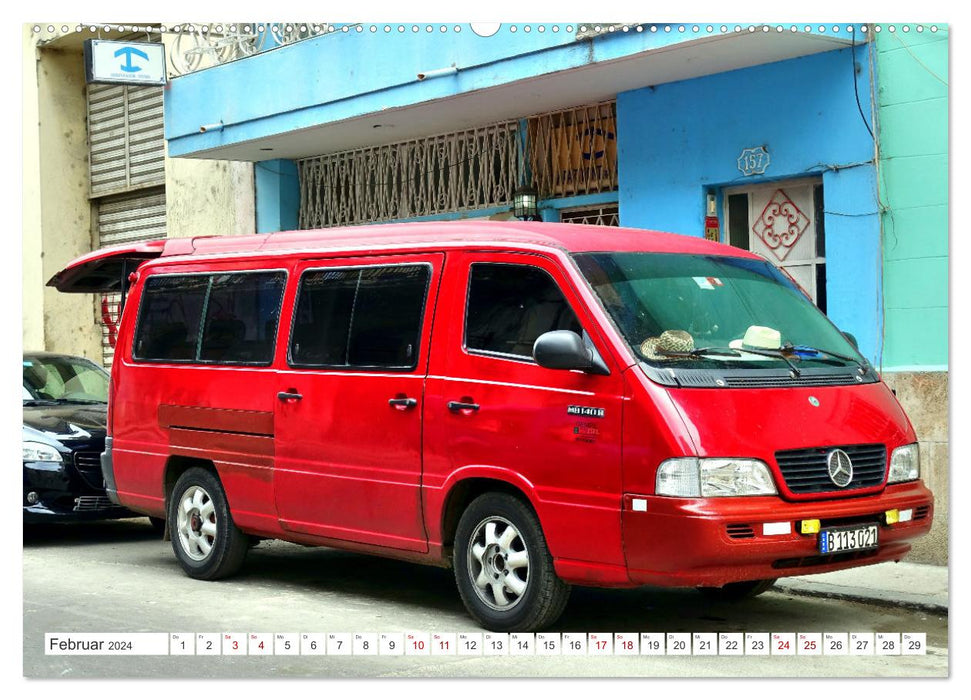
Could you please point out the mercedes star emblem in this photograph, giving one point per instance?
(840, 468)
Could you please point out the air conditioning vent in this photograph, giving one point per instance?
(740, 531)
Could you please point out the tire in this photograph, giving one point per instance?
(742, 590)
(497, 530)
(205, 540)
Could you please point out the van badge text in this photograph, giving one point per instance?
(585, 411)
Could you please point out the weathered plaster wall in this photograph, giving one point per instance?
(65, 213)
(209, 198)
(924, 396)
(32, 284)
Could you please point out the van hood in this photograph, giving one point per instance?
(67, 421)
(758, 423)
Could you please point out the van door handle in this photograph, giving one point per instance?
(291, 395)
(456, 406)
(403, 403)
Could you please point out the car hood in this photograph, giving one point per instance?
(68, 421)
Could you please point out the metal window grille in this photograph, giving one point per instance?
(606, 215)
(574, 151)
(459, 171)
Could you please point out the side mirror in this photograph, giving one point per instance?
(567, 350)
(852, 338)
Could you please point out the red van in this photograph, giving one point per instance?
(534, 405)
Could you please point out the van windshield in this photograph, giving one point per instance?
(712, 311)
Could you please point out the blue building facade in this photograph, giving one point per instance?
(645, 126)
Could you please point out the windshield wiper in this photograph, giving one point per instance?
(39, 402)
(733, 352)
(810, 349)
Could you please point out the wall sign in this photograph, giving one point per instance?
(754, 161)
(124, 62)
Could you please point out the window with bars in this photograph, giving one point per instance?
(574, 151)
(564, 153)
(605, 215)
(460, 171)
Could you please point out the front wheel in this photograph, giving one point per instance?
(503, 568)
(739, 591)
(205, 540)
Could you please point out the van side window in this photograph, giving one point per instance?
(360, 317)
(510, 306)
(169, 319)
(242, 315)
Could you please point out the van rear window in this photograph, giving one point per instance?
(360, 317)
(238, 314)
(169, 319)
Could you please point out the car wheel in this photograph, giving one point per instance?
(205, 540)
(503, 567)
(739, 591)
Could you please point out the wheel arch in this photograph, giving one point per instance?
(176, 466)
(462, 489)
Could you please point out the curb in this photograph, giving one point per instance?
(894, 599)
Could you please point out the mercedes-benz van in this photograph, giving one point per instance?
(533, 405)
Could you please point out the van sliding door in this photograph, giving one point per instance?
(348, 419)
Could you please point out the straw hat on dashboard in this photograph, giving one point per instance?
(668, 342)
(758, 338)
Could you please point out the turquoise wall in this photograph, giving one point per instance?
(679, 140)
(912, 103)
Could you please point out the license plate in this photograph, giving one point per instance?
(847, 539)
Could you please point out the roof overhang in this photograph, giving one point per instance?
(583, 84)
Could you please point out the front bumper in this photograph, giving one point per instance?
(60, 495)
(711, 542)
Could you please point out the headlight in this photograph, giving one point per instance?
(691, 477)
(39, 452)
(904, 464)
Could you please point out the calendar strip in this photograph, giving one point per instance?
(487, 644)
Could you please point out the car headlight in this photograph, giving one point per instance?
(691, 477)
(39, 452)
(904, 464)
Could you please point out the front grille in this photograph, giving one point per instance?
(805, 470)
(88, 465)
(91, 503)
(740, 532)
(756, 381)
(921, 512)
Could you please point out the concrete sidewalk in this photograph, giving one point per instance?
(917, 586)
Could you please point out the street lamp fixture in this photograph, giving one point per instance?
(524, 204)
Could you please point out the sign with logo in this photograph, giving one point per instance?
(754, 161)
(124, 62)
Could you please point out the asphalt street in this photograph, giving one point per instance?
(117, 577)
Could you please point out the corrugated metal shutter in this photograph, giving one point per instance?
(132, 218)
(127, 168)
(125, 132)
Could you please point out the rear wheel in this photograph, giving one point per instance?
(205, 540)
(739, 591)
(503, 568)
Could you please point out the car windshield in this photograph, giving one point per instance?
(60, 379)
(706, 311)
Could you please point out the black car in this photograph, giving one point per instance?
(65, 411)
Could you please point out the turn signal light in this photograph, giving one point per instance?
(809, 527)
(892, 516)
